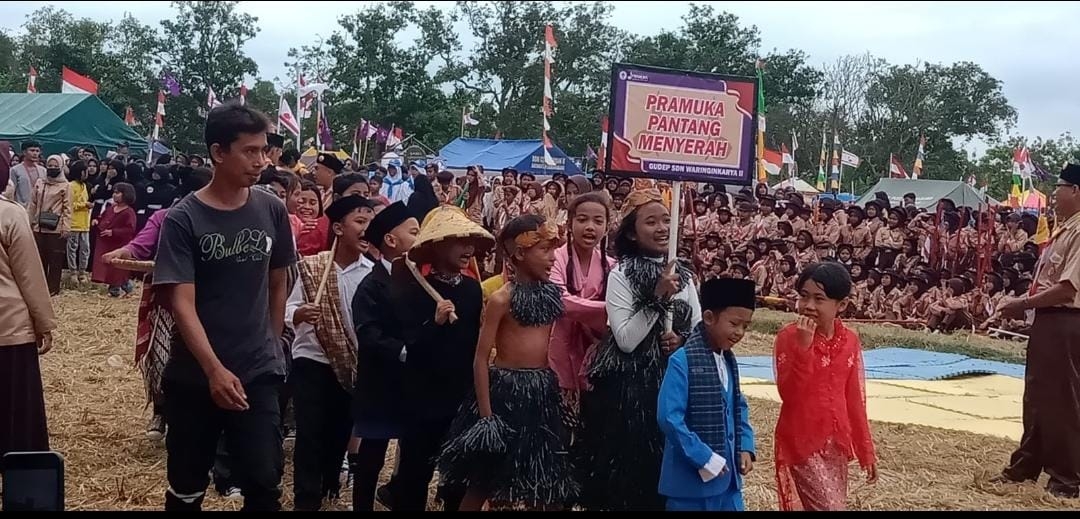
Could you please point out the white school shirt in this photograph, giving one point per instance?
(306, 344)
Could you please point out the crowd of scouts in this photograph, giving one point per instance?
(531, 343)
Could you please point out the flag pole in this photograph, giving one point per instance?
(463, 121)
(299, 113)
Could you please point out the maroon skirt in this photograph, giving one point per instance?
(22, 401)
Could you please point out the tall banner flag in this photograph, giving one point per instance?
(549, 58)
(681, 125)
(916, 172)
(286, 119)
(834, 174)
(820, 184)
(74, 83)
(759, 68)
(793, 169)
(31, 81)
(159, 122)
(326, 140)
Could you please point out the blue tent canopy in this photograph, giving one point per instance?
(523, 155)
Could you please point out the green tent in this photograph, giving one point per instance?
(62, 121)
(927, 192)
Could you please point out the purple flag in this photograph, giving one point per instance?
(589, 153)
(381, 134)
(169, 83)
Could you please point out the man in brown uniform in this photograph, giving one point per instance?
(1052, 381)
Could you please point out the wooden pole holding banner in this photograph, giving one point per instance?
(673, 240)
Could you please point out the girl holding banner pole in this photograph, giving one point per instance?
(621, 443)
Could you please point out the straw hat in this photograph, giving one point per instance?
(443, 223)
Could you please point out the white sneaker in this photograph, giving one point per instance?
(234, 494)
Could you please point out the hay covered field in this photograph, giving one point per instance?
(97, 420)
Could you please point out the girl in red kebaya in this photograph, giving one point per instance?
(819, 374)
(312, 234)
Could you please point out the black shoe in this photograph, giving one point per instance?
(1064, 493)
(384, 497)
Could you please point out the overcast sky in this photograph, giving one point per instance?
(1030, 46)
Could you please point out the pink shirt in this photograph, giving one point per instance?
(585, 320)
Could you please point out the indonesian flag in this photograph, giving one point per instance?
(602, 155)
(129, 116)
(31, 83)
(786, 154)
(896, 169)
(773, 161)
(243, 94)
(394, 138)
(286, 119)
(73, 83)
(211, 99)
(159, 120)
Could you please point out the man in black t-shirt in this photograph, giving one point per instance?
(223, 255)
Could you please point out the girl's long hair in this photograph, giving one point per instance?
(596, 198)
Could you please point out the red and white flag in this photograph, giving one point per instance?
(773, 161)
(788, 158)
(211, 99)
(896, 169)
(394, 138)
(286, 119)
(159, 117)
(243, 94)
(602, 155)
(74, 83)
(31, 83)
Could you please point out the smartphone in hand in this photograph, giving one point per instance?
(33, 482)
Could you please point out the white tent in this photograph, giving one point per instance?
(800, 186)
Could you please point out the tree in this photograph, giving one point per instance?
(53, 38)
(505, 68)
(206, 41)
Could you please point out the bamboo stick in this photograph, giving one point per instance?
(427, 286)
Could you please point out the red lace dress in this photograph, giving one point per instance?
(822, 424)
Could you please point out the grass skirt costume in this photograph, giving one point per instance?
(622, 447)
(518, 454)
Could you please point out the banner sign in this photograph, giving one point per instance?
(680, 125)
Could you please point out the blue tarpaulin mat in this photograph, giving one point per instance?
(903, 364)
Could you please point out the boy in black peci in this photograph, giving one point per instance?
(509, 446)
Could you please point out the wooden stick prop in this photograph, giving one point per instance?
(326, 274)
(427, 286)
(673, 241)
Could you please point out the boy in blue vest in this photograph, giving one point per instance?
(709, 443)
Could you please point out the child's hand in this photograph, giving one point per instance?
(871, 474)
(443, 311)
(807, 327)
(669, 342)
(746, 463)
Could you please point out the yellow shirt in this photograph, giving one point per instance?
(80, 207)
(492, 285)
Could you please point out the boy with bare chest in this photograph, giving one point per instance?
(509, 447)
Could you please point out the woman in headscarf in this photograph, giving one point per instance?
(474, 196)
(423, 198)
(26, 324)
(621, 440)
(50, 218)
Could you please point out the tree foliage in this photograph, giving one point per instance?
(424, 84)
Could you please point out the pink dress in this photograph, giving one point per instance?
(585, 319)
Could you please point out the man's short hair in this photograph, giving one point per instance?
(27, 144)
(227, 122)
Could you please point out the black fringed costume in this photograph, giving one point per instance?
(517, 455)
(621, 448)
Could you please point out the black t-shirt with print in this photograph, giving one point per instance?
(228, 256)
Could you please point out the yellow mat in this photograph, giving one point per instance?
(988, 404)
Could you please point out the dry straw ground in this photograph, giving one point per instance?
(97, 420)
